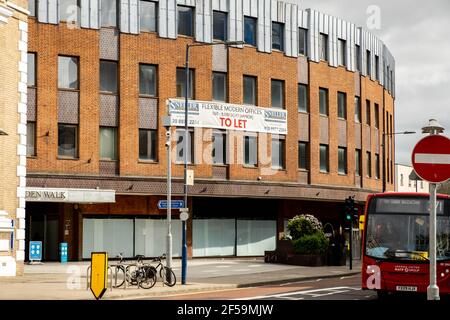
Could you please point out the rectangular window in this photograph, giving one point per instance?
(250, 151)
(377, 68)
(148, 144)
(358, 57)
(186, 21)
(302, 98)
(31, 69)
(368, 64)
(181, 83)
(323, 47)
(277, 92)
(324, 163)
(303, 155)
(108, 76)
(31, 138)
(368, 164)
(32, 7)
(219, 151)
(342, 160)
(357, 109)
(108, 143)
(323, 101)
(250, 31)
(147, 16)
(180, 136)
(358, 162)
(302, 41)
(250, 92)
(67, 140)
(68, 10)
(108, 13)
(67, 73)
(220, 25)
(278, 150)
(342, 105)
(278, 36)
(147, 80)
(342, 50)
(219, 86)
(377, 166)
(377, 116)
(368, 112)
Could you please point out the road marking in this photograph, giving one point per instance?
(313, 293)
(223, 266)
(432, 158)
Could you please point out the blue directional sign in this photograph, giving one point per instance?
(175, 204)
(35, 252)
(63, 252)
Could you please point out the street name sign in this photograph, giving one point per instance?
(99, 273)
(175, 204)
(431, 158)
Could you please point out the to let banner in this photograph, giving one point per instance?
(207, 114)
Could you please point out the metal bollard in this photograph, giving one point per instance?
(88, 277)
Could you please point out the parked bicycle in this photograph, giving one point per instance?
(165, 273)
(137, 274)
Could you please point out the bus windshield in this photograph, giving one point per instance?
(398, 228)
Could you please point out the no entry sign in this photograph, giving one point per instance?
(431, 158)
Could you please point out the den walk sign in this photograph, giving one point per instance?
(217, 115)
(99, 273)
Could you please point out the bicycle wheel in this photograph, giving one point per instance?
(120, 276)
(168, 276)
(149, 277)
(131, 275)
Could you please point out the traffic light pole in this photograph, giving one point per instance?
(350, 230)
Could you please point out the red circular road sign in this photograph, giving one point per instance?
(431, 158)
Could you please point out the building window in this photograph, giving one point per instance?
(250, 31)
(358, 57)
(402, 182)
(409, 182)
(368, 112)
(31, 138)
(186, 21)
(368, 63)
(302, 41)
(342, 105)
(277, 36)
(377, 68)
(67, 140)
(181, 83)
(147, 80)
(180, 136)
(377, 166)
(108, 76)
(68, 10)
(219, 151)
(250, 151)
(278, 149)
(342, 160)
(324, 167)
(323, 101)
(302, 98)
(303, 155)
(67, 73)
(108, 143)
(323, 47)
(277, 92)
(250, 90)
(357, 109)
(31, 69)
(358, 162)
(32, 7)
(109, 13)
(147, 16)
(148, 144)
(342, 49)
(219, 86)
(377, 116)
(421, 184)
(368, 164)
(220, 25)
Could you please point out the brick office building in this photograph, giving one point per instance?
(98, 92)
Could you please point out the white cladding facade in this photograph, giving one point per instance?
(403, 183)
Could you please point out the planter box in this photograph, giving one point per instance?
(285, 254)
(312, 260)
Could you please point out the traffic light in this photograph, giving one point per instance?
(350, 211)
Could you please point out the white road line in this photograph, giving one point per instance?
(432, 158)
(305, 292)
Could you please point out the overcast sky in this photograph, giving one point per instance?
(417, 32)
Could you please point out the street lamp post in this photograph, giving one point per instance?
(383, 145)
(186, 102)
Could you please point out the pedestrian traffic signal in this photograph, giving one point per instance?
(349, 210)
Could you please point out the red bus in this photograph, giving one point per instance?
(396, 241)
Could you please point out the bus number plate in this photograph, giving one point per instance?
(406, 288)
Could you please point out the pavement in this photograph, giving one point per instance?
(56, 281)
